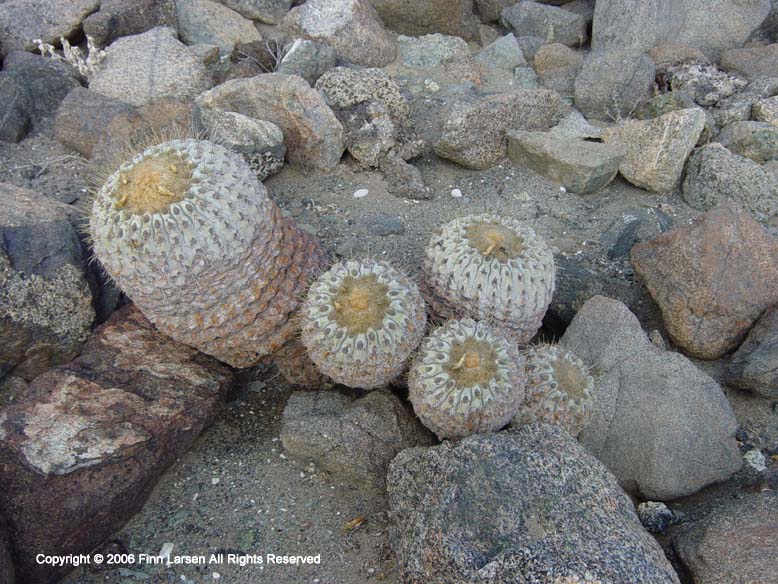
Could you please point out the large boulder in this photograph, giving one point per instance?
(140, 68)
(267, 11)
(352, 27)
(551, 23)
(754, 366)
(766, 110)
(312, 133)
(81, 451)
(516, 506)
(118, 18)
(662, 426)
(13, 109)
(45, 301)
(755, 140)
(211, 23)
(711, 279)
(753, 61)
(451, 17)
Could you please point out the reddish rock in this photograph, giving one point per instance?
(711, 279)
(81, 451)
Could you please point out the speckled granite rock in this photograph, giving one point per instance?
(209, 22)
(452, 17)
(754, 366)
(267, 11)
(118, 18)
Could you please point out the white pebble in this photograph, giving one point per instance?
(216, 575)
(456, 193)
(215, 481)
(358, 194)
(756, 460)
(563, 189)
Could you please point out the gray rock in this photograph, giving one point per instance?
(212, 23)
(352, 438)
(633, 225)
(558, 66)
(503, 54)
(369, 130)
(530, 45)
(664, 103)
(45, 301)
(118, 18)
(766, 110)
(580, 166)
(575, 125)
(735, 543)
(312, 133)
(612, 84)
(267, 11)
(657, 149)
(352, 27)
(6, 564)
(526, 78)
(451, 17)
(705, 84)
(655, 516)
(752, 62)
(344, 87)
(516, 506)
(474, 129)
(23, 21)
(754, 366)
(662, 426)
(755, 140)
(141, 68)
(489, 10)
(553, 24)
(308, 60)
(383, 224)
(14, 118)
(714, 174)
(403, 180)
(431, 50)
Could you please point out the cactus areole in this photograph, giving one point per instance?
(190, 235)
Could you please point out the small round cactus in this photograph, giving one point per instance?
(467, 378)
(559, 389)
(190, 235)
(492, 269)
(361, 322)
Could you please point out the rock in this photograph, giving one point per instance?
(489, 10)
(352, 438)
(668, 56)
(402, 179)
(118, 18)
(84, 448)
(711, 279)
(313, 135)
(581, 167)
(613, 84)
(13, 109)
(553, 24)
(705, 84)
(574, 125)
(344, 87)
(755, 140)
(267, 11)
(714, 174)
(734, 543)
(752, 62)
(526, 78)
(45, 302)
(504, 54)
(558, 66)
(208, 22)
(141, 68)
(82, 117)
(662, 426)
(655, 516)
(473, 132)
(766, 110)
(754, 366)
(431, 50)
(384, 224)
(709, 25)
(369, 132)
(6, 564)
(308, 60)
(516, 506)
(657, 149)
(450, 17)
(633, 225)
(23, 21)
(664, 103)
(351, 27)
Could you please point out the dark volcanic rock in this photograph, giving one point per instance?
(754, 366)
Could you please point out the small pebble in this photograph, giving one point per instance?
(456, 193)
(215, 481)
(756, 460)
(358, 194)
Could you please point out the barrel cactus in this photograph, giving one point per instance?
(559, 389)
(190, 235)
(361, 321)
(467, 378)
(490, 268)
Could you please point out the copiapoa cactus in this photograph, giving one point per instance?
(361, 322)
(190, 235)
(492, 269)
(559, 389)
(467, 378)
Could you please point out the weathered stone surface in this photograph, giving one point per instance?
(267, 11)
(82, 451)
(6, 565)
(580, 166)
(714, 174)
(706, 85)
(344, 87)
(711, 279)
(516, 506)
(503, 54)
(13, 109)
(118, 18)
(352, 27)
(733, 544)
(666, 56)
(574, 125)
(451, 17)
(355, 438)
(755, 140)
(313, 135)
(752, 62)
(212, 23)
(490, 10)
(662, 426)
(431, 50)
(82, 117)
(766, 110)
(141, 68)
(23, 21)
(473, 132)
(369, 131)
(613, 83)
(754, 366)
(551, 23)
(403, 180)
(308, 60)
(45, 302)
(558, 66)
(657, 149)
(664, 103)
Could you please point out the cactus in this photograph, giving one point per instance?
(491, 269)
(190, 235)
(361, 322)
(559, 389)
(467, 378)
